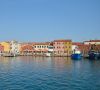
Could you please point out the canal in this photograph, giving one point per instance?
(48, 73)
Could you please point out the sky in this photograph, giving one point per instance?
(47, 20)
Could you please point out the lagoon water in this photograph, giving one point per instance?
(46, 73)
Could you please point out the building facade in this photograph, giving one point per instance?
(84, 48)
(41, 48)
(27, 49)
(68, 47)
(15, 47)
(96, 42)
(6, 46)
(1, 49)
(62, 47)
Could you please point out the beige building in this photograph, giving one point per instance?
(96, 42)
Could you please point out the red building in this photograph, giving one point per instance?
(83, 48)
(27, 49)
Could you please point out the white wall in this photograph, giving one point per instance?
(87, 43)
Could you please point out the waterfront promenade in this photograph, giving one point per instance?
(61, 47)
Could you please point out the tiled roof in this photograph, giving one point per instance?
(93, 41)
(62, 40)
(77, 43)
(80, 44)
(42, 43)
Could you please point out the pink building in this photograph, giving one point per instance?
(62, 47)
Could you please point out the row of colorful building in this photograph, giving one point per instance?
(54, 48)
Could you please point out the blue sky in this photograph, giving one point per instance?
(46, 20)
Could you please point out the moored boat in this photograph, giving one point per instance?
(93, 55)
(9, 55)
(48, 54)
(50, 51)
(76, 55)
(99, 55)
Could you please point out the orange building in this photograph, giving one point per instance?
(26, 49)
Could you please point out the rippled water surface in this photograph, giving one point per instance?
(45, 73)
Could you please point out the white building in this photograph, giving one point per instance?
(15, 47)
(96, 42)
(50, 51)
(50, 48)
(41, 48)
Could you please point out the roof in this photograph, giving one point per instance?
(62, 40)
(80, 44)
(42, 43)
(1, 45)
(93, 41)
(77, 43)
(5, 42)
(36, 43)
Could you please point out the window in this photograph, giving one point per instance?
(65, 51)
(40, 46)
(58, 52)
(66, 43)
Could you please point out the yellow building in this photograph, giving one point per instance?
(6, 46)
(68, 47)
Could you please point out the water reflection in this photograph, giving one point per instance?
(48, 73)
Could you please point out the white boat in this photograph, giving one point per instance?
(50, 51)
(9, 55)
(76, 53)
(48, 54)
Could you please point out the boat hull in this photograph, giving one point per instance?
(93, 56)
(76, 56)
